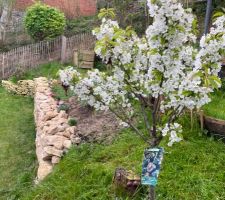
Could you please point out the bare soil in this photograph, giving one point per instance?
(93, 126)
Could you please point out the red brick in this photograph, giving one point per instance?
(71, 8)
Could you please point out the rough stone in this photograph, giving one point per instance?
(53, 134)
(51, 130)
(53, 151)
(62, 114)
(44, 169)
(49, 115)
(45, 156)
(62, 127)
(71, 129)
(55, 140)
(67, 144)
(23, 87)
(76, 140)
(66, 133)
(41, 89)
(55, 159)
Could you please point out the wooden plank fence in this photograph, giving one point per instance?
(20, 59)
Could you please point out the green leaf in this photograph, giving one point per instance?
(218, 14)
(214, 81)
(153, 51)
(107, 13)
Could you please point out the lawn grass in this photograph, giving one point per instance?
(216, 108)
(17, 135)
(17, 145)
(192, 169)
(49, 70)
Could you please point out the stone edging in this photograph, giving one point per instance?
(53, 134)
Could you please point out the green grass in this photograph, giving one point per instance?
(17, 137)
(216, 108)
(192, 169)
(49, 70)
(17, 145)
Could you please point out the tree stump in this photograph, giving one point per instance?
(127, 180)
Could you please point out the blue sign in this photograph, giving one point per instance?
(151, 165)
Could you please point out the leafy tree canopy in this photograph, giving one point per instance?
(44, 22)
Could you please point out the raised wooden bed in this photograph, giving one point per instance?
(214, 125)
(84, 59)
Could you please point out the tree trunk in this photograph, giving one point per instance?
(151, 195)
(208, 16)
(5, 17)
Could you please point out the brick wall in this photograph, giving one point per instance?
(71, 8)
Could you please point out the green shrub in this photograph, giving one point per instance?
(81, 25)
(72, 122)
(100, 65)
(64, 107)
(44, 22)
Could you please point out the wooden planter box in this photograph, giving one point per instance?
(84, 59)
(214, 125)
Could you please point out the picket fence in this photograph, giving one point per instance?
(20, 59)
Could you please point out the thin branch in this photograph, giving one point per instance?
(130, 124)
(145, 117)
(141, 100)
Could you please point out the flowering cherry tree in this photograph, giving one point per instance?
(161, 73)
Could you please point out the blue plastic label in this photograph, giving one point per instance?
(151, 165)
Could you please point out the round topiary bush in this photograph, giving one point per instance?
(44, 22)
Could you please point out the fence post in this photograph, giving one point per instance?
(63, 49)
(3, 67)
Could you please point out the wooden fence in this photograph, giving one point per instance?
(27, 57)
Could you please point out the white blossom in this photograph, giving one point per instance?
(162, 64)
(67, 75)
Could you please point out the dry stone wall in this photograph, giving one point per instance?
(53, 134)
(23, 87)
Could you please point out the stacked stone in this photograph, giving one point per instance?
(23, 87)
(53, 134)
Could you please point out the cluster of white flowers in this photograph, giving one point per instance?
(104, 92)
(212, 48)
(173, 131)
(67, 75)
(163, 64)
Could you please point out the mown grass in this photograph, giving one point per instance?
(17, 137)
(192, 169)
(49, 70)
(216, 108)
(17, 145)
